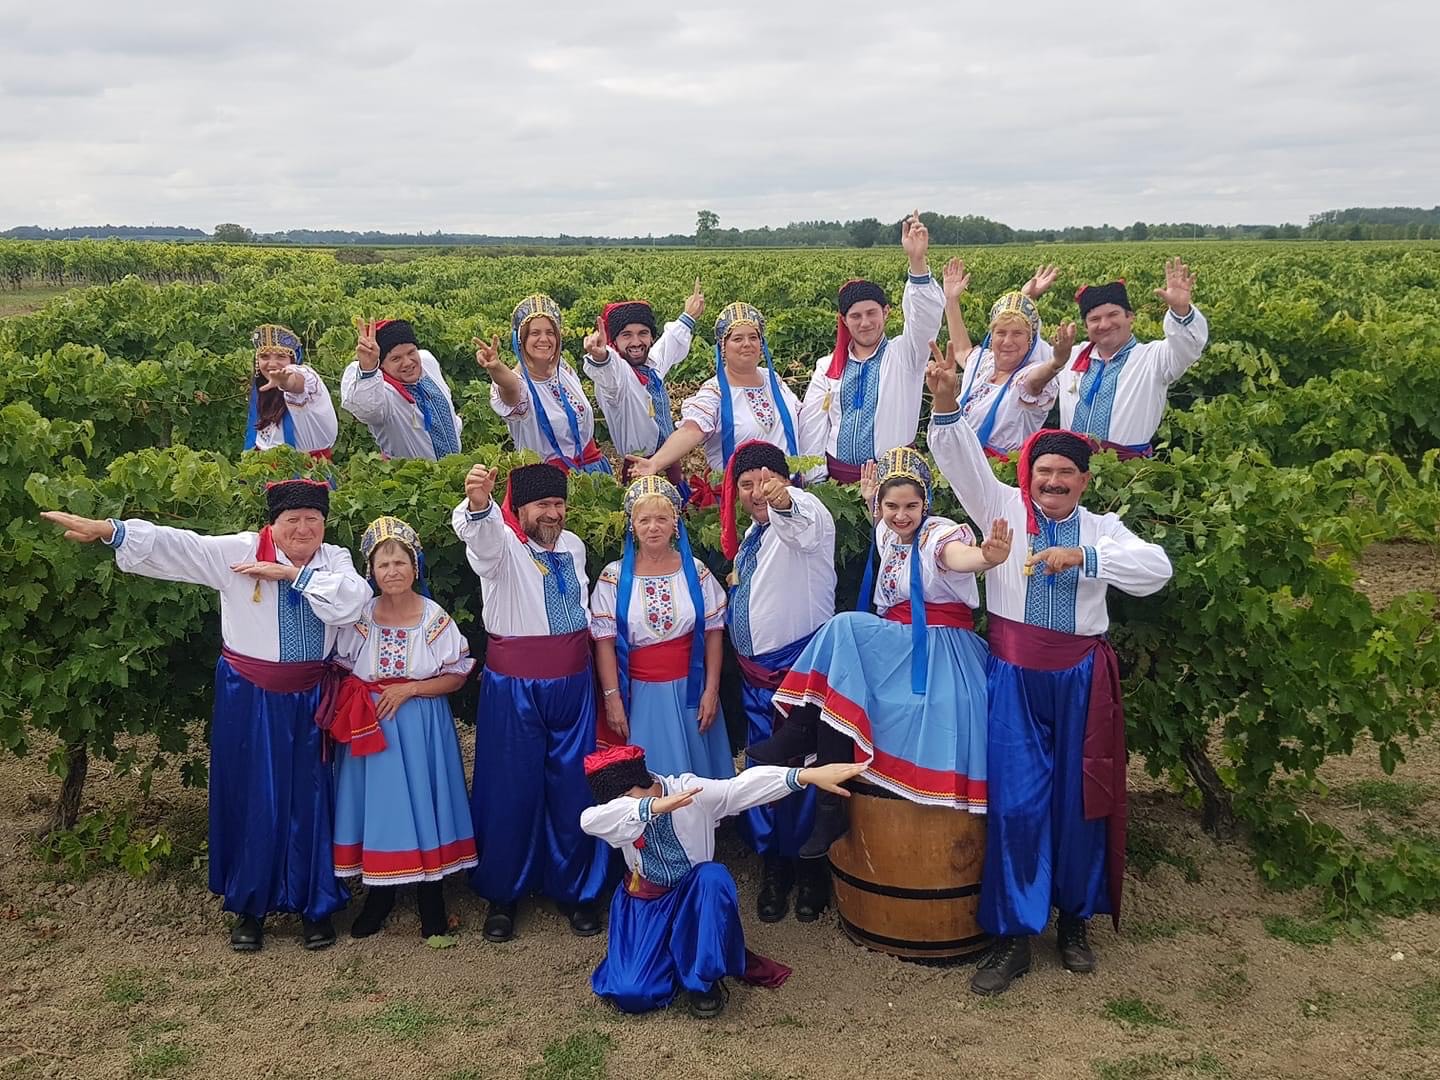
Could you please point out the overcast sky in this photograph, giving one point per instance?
(620, 118)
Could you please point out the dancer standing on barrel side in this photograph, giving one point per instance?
(1056, 833)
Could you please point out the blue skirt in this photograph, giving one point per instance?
(929, 748)
(270, 802)
(669, 733)
(403, 814)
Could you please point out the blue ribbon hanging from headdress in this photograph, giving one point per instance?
(695, 677)
(1022, 304)
(266, 338)
(908, 464)
(729, 317)
(541, 306)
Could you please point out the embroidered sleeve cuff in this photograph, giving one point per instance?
(687, 321)
(944, 419)
(304, 579)
(792, 780)
(119, 537)
(784, 513)
(369, 374)
(1187, 320)
(480, 515)
(1092, 561)
(921, 279)
(645, 811)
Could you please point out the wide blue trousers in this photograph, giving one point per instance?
(779, 828)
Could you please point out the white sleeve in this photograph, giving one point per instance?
(158, 551)
(673, 345)
(1044, 354)
(941, 536)
(1184, 342)
(703, 408)
(607, 375)
(602, 603)
(1122, 559)
(489, 543)
(511, 413)
(923, 304)
(349, 646)
(804, 525)
(337, 597)
(957, 453)
(815, 409)
(714, 595)
(366, 396)
(617, 822)
(755, 786)
(447, 645)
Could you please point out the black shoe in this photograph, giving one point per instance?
(708, 1004)
(812, 895)
(248, 934)
(793, 740)
(1073, 940)
(832, 821)
(499, 922)
(430, 899)
(584, 920)
(379, 900)
(1008, 959)
(319, 934)
(773, 900)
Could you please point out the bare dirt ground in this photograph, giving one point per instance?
(107, 976)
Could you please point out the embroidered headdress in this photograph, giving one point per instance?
(533, 307)
(651, 485)
(387, 528)
(1021, 305)
(905, 463)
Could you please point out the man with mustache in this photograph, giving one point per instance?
(397, 390)
(1115, 388)
(632, 395)
(1056, 754)
(536, 718)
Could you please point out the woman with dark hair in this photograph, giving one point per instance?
(289, 404)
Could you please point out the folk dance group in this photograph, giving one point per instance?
(334, 753)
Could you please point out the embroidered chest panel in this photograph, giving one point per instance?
(1050, 598)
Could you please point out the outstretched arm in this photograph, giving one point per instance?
(954, 446)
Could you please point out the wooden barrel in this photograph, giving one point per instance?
(907, 877)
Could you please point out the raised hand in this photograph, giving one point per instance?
(595, 344)
(996, 546)
(695, 305)
(869, 485)
(668, 804)
(1063, 340)
(266, 571)
(480, 486)
(775, 490)
(831, 778)
(1054, 560)
(487, 353)
(1041, 281)
(942, 376)
(82, 530)
(1179, 285)
(640, 466)
(367, 349)
(956, 280)
(915, 239)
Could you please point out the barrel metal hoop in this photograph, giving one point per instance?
(899, 892)
(978, 941)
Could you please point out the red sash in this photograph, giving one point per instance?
(663, 662)
(1126, 453)
(842, 472)
(539, 656)
(951, 614)
(293, 677)
(1103, 753)
(589, 455)
(996, 454)
(356, 721)
(760, 675)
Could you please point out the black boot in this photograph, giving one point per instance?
(793, 740)
(1008, 959)
(248, 934)
(379, 901)
(584, 919)
(499, 922)
(708, 1004)
(1073, 939)
(430, 900)
(832, 821)
(319, 934)
(776, 878)
(812, 894)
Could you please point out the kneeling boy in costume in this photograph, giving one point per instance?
(675, 922)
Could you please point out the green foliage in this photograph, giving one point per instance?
(1300, 931)
(106, 839)
(1134, 1013)
(1395, 797)
(580, 1056)
(406, 1020)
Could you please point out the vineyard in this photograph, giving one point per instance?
(1307, 434)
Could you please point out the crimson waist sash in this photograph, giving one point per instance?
(538, 656)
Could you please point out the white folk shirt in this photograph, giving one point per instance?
(432, 646)
(525, 428)
(397, 425)
(753, 410)
(938, 582)
(311, 411)
(1073, 601)
(1130, 402)
(526, 590)
(895, 397)
(1020, 413)
(676, 842)
(786, 577)
(275, 626)
(660, 605)
(626, 403)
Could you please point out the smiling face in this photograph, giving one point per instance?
(392, 568)
(653, 521)
(866, 322)
(299, 534)
(543, 520)
(633, 343)
(403, 363)
(540, 341)
(1010, 338)
(1108, 326)
(748, 490)
(272, 361)
(1056, 484)
(902, 507)
(741, 348)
